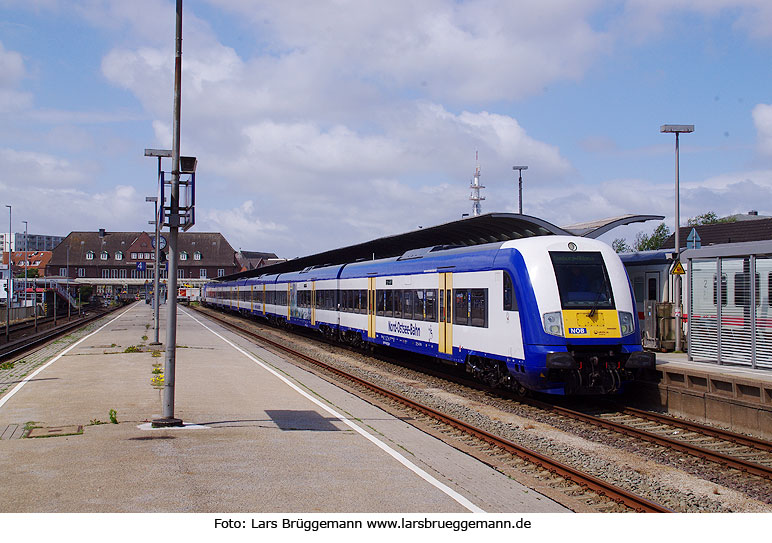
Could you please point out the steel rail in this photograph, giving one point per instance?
(739, 439)
(612, 492)
(17, 347)
(694, 450)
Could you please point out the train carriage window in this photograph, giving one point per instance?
(638, 289)
(419, 305)
(431, 305)
(388, 296)
(380, 302)
(478, 304)
(407, 306)
(363, 302)
(742, 289)
(398, 304)
(510, 300)
(460, 306)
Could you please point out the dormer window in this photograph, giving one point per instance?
(90, 255)
(197, 255)
(183, 255)
(104, 255)
(118, 255)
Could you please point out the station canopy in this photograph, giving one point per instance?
(594, 229)
(488, 228)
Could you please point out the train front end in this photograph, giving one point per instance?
(582, 334)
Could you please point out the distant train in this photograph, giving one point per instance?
(553, 314)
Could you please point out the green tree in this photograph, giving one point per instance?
(620, 245)
(653, 241)
(709, 217)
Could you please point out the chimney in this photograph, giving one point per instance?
(101, 232)
(753, 212)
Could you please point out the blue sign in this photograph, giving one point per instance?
(141, 266)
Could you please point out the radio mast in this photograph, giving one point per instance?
(476, 186)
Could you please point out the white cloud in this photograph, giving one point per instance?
(762, 119)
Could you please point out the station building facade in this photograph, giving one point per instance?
(122, 263)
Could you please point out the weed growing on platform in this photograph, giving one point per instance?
(144, 338)
(156, 354)
(96, 422)
(6, 366)
(132, 349)
(113, 414)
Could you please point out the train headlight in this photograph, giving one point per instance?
(626, 323)
(553, 323)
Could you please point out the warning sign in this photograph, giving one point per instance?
(678, 269)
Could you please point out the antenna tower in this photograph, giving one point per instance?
(476, 186)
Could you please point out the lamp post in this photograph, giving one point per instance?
(9, 287)
(156, 269)
(677, 129)
(26, 257)
(520, 186)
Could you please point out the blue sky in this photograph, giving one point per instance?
(320, 124)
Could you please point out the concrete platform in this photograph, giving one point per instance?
(733, 397)
(262, 436)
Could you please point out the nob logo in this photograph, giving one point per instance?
(577, 330)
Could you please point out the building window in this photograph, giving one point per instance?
(122, 273)
(180, 273)
(134, 256)
(104, 255)
(105, 274)
(63, 272)
(119, 256)
(81, 272)
(90, 255)
(183, 255)
(221, 272)
(202, 273)
(197, 255)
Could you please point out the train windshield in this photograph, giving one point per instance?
(583, 281)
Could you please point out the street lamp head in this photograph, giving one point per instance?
(151, 198)
(188, 164)
(520, 168)
(676, 128)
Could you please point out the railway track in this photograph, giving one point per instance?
(21, 345)
(574, 479)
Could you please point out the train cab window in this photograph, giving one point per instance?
(582, 279)
(510, 300)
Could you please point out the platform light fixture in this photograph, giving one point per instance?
(677, 129)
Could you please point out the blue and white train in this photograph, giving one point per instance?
(553, 314)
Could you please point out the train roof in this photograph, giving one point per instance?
(480, 230)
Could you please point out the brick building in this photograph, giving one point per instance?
(125, 259)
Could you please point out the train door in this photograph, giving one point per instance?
(446, 313)
(371, 307)
(313, 303)
(251, 298)
(652, 290)
(264, 296)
